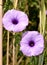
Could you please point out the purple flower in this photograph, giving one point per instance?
(15, 20)
(32, 43)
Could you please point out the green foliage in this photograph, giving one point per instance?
(31, 7)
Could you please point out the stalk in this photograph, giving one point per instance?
(42, 27)
(0, 32)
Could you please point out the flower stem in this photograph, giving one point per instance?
(42, 27)
(0, 32)
(42, 17)
(13, 50)
(7, 47)
(41, 59)
(15, 3)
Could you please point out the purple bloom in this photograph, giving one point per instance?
(15, 20)
(32, 43)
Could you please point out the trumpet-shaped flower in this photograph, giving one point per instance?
(32, 43)
(14, 20)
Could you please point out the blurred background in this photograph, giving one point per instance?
(31, 8)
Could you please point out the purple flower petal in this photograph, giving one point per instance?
(33, 48)
(15, 20)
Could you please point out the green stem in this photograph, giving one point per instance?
(43, 17)
(42, 27)
(41, 59)
(35, 60)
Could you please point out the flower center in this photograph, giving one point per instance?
(31, 43)
(14, 21)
